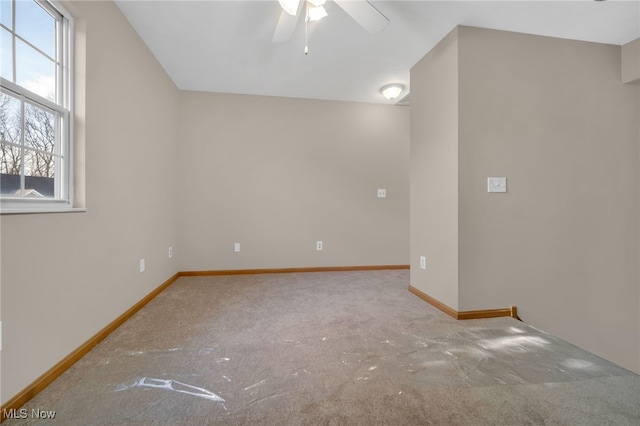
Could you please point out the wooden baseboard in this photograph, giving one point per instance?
(511, 311)
(291, 270)
(465, 315)
(54, 372)
(433, 302)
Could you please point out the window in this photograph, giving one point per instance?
(35, 107)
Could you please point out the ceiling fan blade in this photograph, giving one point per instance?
(290, 6)
(284, 29)
(286, 24)
(364, 14)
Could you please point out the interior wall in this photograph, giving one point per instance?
(631, 62)
(278, 174)
(562, 244)
(434, 172)
(65, 276)
(553, 117)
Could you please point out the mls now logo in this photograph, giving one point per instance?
(15, 414)
(23, 413)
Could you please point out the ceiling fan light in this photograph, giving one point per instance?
(317, 13)
(391, 91)
(289, 6)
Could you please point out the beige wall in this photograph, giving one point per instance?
(276, 175)
(553, 117)
(434, 172)
(631, 62)
(66, 276)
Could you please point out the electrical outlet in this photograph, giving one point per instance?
(382, 193)
(423, 262)
(170, 252)
(142, 267)
(319, 245)
(236, 247)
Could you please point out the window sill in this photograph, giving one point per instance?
(43, 210)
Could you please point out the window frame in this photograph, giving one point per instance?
(63, 106)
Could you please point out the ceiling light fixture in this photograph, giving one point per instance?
(314, 9)
(316, 13)
(391, 91)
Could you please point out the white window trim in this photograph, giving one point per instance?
(66, 81)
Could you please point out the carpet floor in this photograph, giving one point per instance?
(330, 348)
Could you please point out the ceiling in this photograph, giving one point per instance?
(225, 46)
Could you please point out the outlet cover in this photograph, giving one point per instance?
(423, 262)
(142, 266)
(236, 247)
(170, 252)
(382, 193)
(497, 184)
(319, 245)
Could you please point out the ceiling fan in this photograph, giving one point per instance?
(361, 11)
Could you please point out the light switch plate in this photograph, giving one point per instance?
(497, 184)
